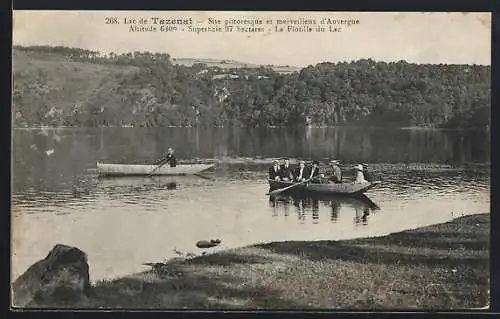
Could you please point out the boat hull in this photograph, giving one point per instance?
(323, 189)
(144, 170)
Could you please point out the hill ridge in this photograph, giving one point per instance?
(60, 86)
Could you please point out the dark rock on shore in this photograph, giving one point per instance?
(63, 276)
(208, 244)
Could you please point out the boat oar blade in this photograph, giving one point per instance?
(277, 191)
(203, 176)
(154, 170)
(157, 167)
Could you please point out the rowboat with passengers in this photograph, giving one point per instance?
(309, 180)
(346, 188)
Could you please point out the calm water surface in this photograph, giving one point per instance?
(427, 177)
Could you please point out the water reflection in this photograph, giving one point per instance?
(141, 183)
(305, 206)
(334, 216)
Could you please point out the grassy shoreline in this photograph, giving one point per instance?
(444, 266)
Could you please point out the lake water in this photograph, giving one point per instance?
(427, 177)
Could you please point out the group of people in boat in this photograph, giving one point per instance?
(301, 173)
(312, 173)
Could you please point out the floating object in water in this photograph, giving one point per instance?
(208, 244)
(145, 170)
(172, 185)
(49, 152)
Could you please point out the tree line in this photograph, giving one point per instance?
(160, 93)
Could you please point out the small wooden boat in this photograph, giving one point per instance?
(144, 170)
(327, 188)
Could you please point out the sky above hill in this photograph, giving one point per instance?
(453, 38)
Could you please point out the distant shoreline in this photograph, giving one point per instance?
(403, 128)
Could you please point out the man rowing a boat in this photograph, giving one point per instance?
(170, 159)
(274, 171)
(286, 171)
(314, 174)
(301, 172)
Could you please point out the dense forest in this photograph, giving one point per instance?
(60, 86)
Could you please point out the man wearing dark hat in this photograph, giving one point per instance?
(169, 158)
(274, 171)
(314, 172)
(366, 173)
(301, 172)
(286, 171)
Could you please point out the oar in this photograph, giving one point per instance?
(157, 167)
(277, 191)
(204, 177)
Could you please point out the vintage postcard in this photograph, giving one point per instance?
(251, 160)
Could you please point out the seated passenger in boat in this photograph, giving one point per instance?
(274, 171)
(368, 175)
(359, 176)
(170, 159)
(314, 174)
(335, 174)
(301, 173)
(286, 171)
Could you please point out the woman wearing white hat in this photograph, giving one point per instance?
(366, 173)
(360, 178)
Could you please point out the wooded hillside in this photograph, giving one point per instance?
(73, 87)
